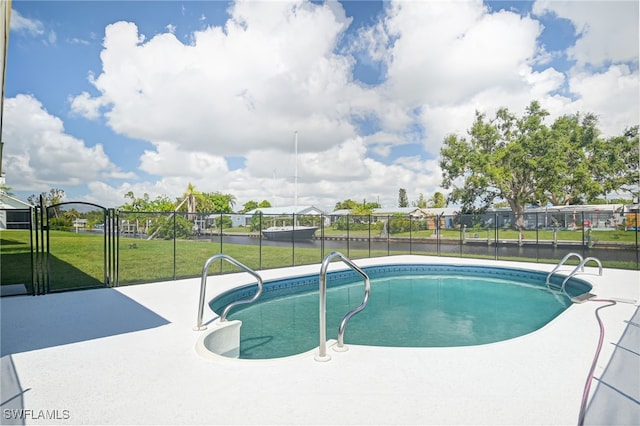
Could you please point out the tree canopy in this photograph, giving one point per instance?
(144, 204)
(54, 196)
(438, 200)
(252, 205)
(362, 209)
(523, 161)
(347, 204)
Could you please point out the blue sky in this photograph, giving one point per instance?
(103, 98)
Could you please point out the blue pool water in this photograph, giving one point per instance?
(409, 306)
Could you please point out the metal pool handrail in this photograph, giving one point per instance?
(579, 268)
(564, 259)
(322, 351)
(203, 288)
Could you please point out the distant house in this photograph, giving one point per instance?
(80, 223)
(590, 216)
(383, 213)
(416, 213)
(14, 214)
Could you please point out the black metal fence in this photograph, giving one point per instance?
(264, 241)
(157, 246)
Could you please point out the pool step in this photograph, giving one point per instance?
(582, 298)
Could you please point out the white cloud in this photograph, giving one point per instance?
(607, 30)
(614, 91)
(20, 23)
(52, 37)
(448, 52)
(373, 41)
(169, 160)
(76, 40)
(32, 27)
(86, 106)
(324, 178)
(452, 58)
(38, 154)
(271, 70)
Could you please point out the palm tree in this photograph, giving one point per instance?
(190, 195)
(231, 200)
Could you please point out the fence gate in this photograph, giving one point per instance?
(76, 246)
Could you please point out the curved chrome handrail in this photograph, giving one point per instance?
(564, 259)
(580, 268)
(322, 350)
(203, 288)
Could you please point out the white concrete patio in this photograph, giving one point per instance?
(127, 356)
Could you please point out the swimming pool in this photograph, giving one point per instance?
(411, 305)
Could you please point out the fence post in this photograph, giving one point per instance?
(637, 248)
(259, 240)
(45, 246)
(175, 245)
(221, 247)
(31, 225)
(322, 219)
(537, 239)
(388, 236)
(410, 234)
(348, 234)
(293, 244)
(106, 247)
(584, 250)
(369, 234)
(437, 229)
(495, 236)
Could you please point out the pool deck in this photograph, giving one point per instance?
(127, 356)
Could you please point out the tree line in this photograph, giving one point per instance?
(510, 160)
(522, 161)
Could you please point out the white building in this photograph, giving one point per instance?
(14, 214)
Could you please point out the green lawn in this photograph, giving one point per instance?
(77, 260)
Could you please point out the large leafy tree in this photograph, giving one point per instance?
(522, 161)
(579, 165)
(622, 161)
(217, 202)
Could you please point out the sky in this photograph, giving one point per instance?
(104, 98)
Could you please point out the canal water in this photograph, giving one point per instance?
(502, 250)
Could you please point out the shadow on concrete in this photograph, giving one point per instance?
(12, 403)
(36, 322)
(616, 400)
